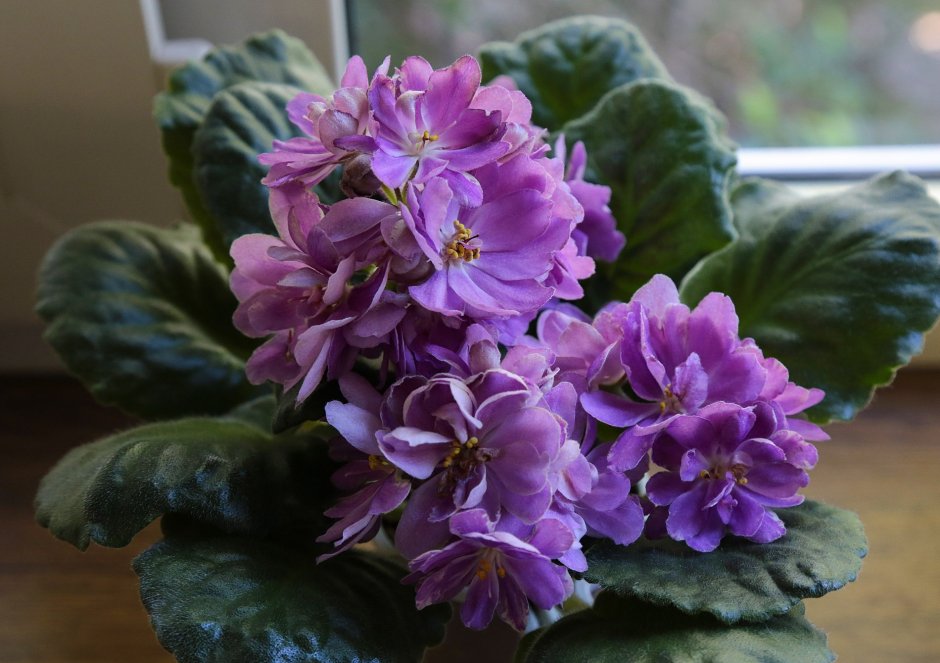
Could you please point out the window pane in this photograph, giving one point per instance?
(785, 72)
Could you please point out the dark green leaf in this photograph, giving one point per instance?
(240, 600)
(142, 316)
(839, 287)
(565, 67)
(624, 631)
(662, 153)
(272, 57)
(242, 122)
(526, 644)
(821, 551)
(225, 473)
(258, 412)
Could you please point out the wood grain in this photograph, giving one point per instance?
(58, 605)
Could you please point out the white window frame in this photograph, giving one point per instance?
(839, 163)
(327, 38)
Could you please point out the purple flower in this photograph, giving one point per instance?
(299, 287)
(501, 570)
(537, 171)
(588, 490)
(724, 467)
(378, 488)
(676, 361)
(336, 131)
(479, 442)
(570, 267)
(426, 128)
(597, 235)
(788, 398)
(489, 261)
(585, 353)
(516, 111)
(374, 486)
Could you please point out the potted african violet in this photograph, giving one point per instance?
(508, 339)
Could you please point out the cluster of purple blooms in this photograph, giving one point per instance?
(461, 227)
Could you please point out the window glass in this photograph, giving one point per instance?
(785, 72)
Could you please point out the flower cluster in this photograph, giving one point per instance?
(455, 214)
(490, 452)
(500, 483)
(704, 405)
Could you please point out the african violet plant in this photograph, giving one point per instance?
(531, 341)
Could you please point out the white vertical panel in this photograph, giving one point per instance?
(321, 24)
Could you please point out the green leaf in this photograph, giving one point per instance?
(821, 551)
(142, 315)
(623, 631)
(225, 473)
(839, 287)
(272, 57)
(242, 122)
(227, 599)
(526, 644)
(565, 67)
(661, 151)
(258, 412)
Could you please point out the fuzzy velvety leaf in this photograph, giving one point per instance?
(661, 151)
(272, 57)
(258, 412)
(228, 599)
(143, 316)
(242, 122)
(839, 287)
(617, 630)
(565, 67)
(821, 551)
(226, 473)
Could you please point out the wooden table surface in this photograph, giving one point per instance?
(58, 605)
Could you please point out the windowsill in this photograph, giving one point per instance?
(821, 187)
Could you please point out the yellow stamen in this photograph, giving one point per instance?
(667, 392)
(484, 568)
(738, 471)
(501, 572)
(457, 248)
(453, 454)
(429, 137)
(375, 462)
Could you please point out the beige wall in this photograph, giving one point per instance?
(77, 142)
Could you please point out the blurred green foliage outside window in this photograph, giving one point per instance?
(785, 72)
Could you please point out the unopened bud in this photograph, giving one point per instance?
(358, 179)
